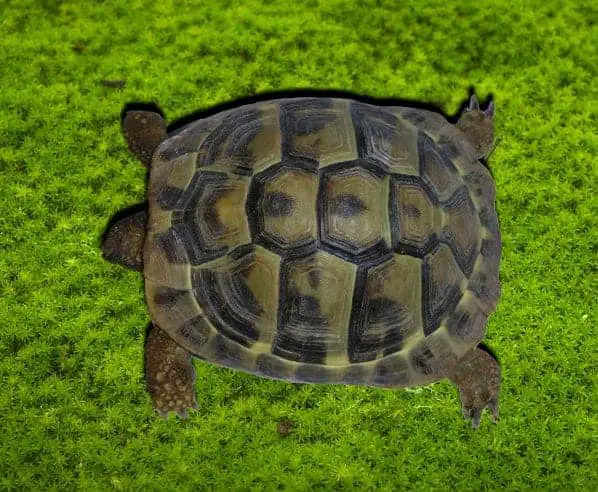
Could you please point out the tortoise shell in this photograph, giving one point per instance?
(322, 240)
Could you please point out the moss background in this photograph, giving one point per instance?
(73, 409)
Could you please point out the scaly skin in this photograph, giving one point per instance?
(477, 375)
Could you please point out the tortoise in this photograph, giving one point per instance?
(316, 240)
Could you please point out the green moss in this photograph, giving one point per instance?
(74, 411)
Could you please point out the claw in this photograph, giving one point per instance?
(475, 413)
(493, 406)
(473, 103)
(489, 111)
(476, 417)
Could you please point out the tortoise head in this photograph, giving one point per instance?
(144, 131)
(478, 127)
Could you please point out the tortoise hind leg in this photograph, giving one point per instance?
(477, 375)
(169, 374)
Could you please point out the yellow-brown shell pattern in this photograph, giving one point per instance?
(322, 240)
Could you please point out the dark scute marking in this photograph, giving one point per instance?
(465, 254)
(373, 167)
(345, 205)
(170, 197)
(483, 183)
(414, 116)
(245, 295)
(490, 248)
(356, 374)
(395, 224)
(423, 360)
(391, 372)
(226, 352)
(312, 124)
(174, 151)
(243, 169)
(448, 147)
(355, 350)
(489, 220)
(285, 348)
(311, 373)
(386, 311)
(430, 157)
(308, 309)
(411, 250)
(485, 286)
(478, 284)
(271, 367)
(304, 103)
(313, 277)
(196, 330)
(348, 249)
(432, 361)
(278, 204)
(256, 218)
(377, 311)
(228, 303)
(375, 128)
(377, 116)
(302, 327)
(210, 216)
(187, 138)
(238, 129)
(299, 163)
(437, 299)
(178, 217)
(172, 245)
(400, 245)
(294, 112)
(299, 117)
(254, 195)
(199, 232)
(374, 255)
(190, 196)
(467, 327)
(287, 251)
(194, 243)
(242, 251)
(412, 211)
(167, 296)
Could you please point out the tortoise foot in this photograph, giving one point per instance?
(169, 374)
(477, 376)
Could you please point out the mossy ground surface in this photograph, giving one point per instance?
(74, 412)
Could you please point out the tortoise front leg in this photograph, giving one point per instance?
(123, 241)
(477, 375)
(169, 374)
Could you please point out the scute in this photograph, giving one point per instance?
(354, 211)
(319, 130)
(436, 169)
(442, 286)
(238, 294)
(245, 140)
(281, 208)
(313, 324)
(322, 240)
(389, 309)
(416, 217)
